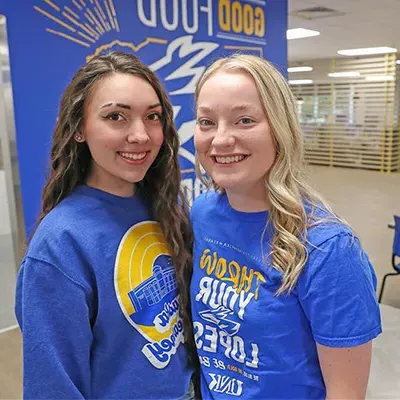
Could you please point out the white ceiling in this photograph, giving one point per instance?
(366, 23)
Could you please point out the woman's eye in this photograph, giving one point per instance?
(205, 122)
(246, 121)
(115, 117)
(154, 117)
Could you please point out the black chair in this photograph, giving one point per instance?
(396, 254)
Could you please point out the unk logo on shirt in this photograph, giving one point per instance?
(145, 285)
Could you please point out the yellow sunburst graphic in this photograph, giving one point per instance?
(82, 21)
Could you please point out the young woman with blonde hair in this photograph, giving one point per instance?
(283, 296)
(97, 295)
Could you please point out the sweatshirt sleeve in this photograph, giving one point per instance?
(54, 316)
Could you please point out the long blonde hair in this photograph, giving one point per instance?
(288, 190)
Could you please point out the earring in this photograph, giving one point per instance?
(78, 138)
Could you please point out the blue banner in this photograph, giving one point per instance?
(50, 39)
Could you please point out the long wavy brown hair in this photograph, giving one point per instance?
(71, 161)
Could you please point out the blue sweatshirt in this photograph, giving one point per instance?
(98, 306)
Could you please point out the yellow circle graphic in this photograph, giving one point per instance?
(144, 281)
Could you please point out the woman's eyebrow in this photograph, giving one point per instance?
(128, 107)
(117, 104)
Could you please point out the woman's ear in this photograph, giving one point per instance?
(79, 138)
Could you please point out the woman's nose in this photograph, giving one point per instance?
(137, 133)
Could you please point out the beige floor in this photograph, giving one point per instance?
(10, 365)
(368, 201)
(384, 382)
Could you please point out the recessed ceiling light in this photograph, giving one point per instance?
(299, 33)
(299, 69)
(379, 78)
(348, 74)
(367, 51)
(300, 81)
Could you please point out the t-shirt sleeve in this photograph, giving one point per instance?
(337, 292)
(53, 313)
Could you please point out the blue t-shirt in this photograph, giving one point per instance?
(98, 306)
(254, 344)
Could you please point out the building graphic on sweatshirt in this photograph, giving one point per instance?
(145, 286)
(154, 289)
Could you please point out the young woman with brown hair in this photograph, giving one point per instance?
(98, 290)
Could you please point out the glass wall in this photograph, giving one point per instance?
(11, 220)
(350, 121)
